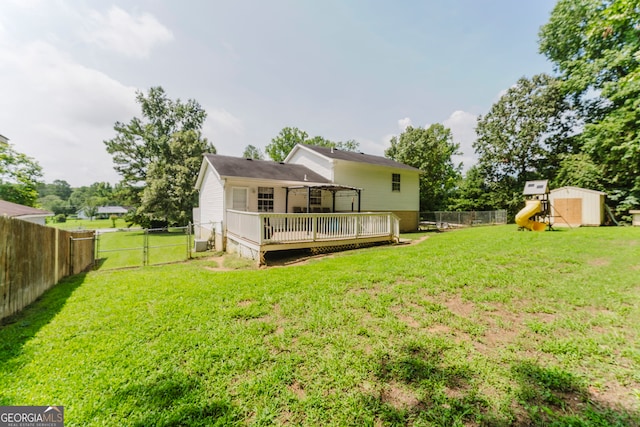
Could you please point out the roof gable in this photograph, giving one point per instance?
(571, 187)
(15, 210)
(238, 167)
(351, 156)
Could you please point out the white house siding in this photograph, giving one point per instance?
(40, 220)
(592, 204)
(375, 181)
(377, 194)
(316, 162)
(279, 193)
(210, 203)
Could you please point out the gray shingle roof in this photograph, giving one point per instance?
(354, 156)
(15, 210)
(262, 169)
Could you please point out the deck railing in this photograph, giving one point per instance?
(267, 228)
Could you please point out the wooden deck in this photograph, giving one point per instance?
(265, 232)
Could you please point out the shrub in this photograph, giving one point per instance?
(60, 218)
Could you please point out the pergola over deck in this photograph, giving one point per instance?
(333, 189)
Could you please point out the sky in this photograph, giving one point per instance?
(340, 69)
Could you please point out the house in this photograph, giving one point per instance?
(104, 212)
(316, 198)
(574, 207)
(387, 186)
(26, 213)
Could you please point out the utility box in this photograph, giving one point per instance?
(200, 245)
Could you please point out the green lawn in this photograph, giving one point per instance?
(483, 326)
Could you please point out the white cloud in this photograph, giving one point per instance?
(224, 130)
(221, 118)
(463, 125)
(118, 31)
(66, 113)
(403, 124)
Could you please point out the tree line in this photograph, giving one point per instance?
(577, 127)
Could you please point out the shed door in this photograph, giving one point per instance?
(568, 211)
(240, 199)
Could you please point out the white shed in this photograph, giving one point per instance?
(575, 206)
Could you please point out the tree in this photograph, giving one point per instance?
(144, 141)
(170, 194)
(284, 142)
(594, 46)
(59, 188)
(471, 193)
(579, 170)
(523, 135)
(149, 144)
(281, 145)
(19, 175)
(90, 208)
(251, 152)
(54, 204)
(429, 150)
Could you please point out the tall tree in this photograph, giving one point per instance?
(19, 176)
(148, 144)
(283, 143)
(578, 170)
(431, 151)
(252, 152)
(170, 194)
(54, 204)
(523, 135)
(471, 193)
(594, 45)
(58, 187)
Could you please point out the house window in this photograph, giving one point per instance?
(315, 197)
(395, 182)
(265, 199)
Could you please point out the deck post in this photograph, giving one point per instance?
(314, 228)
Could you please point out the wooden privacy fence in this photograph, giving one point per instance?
(33, 258)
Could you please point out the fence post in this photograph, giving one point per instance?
(189, 240)
(71, 254)
(145, 248)
(56, 258)
(97, 245)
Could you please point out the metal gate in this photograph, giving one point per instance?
(142, 247)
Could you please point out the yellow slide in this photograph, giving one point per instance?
(531, 208)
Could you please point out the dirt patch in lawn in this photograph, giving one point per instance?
(219, 260)
(459, 307)
(399, 397)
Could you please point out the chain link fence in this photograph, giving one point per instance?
(444, 220)
(141, 247)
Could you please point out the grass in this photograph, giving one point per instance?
(485, 326)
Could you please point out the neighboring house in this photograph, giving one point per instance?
(105, 212)
(316, 198)
(26, 213)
